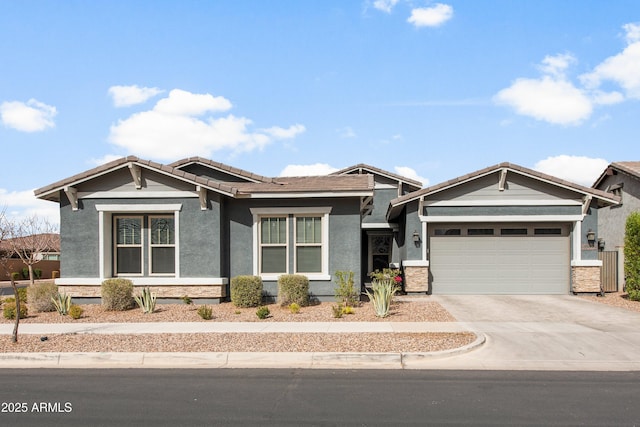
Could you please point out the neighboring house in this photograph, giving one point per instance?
(48, 261)
(188, 227)
(623, 180)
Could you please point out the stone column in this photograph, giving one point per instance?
(416, 276)
(586, 278)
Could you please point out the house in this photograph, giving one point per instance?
(623, 180)
(48, 260)
(188, 227)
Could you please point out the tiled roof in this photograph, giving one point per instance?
(375, 170)
(491, 169)
(326, 183)
(221, 166)
(630, 168)
(55, 241)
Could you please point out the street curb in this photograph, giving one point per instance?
(234, 360)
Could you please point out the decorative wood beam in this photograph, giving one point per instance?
(586, 201)
(136, 174)
(503, 179)
(202, 194)
(72, 195)
(366, 206)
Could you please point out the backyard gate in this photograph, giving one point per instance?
(609, 271)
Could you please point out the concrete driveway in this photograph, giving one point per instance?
(548, 332)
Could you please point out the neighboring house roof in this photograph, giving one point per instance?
(629, 168)
(361, 167)
(397, 203)
(5, 245)
(221, 167)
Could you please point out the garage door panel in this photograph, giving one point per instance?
(500, 265)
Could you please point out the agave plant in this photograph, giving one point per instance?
(146, 300)
(62, 303)
(383, 292)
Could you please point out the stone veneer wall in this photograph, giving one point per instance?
(174, 291)
(585, 279)
(416, 279)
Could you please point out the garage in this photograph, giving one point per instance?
(500, 259)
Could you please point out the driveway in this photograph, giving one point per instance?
(545, 332)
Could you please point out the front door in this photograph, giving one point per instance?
(379, 251)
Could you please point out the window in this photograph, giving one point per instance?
(480, 232)
(139, 237)
(291, 240)
(447, 232)
(513, 231)
(547, 231)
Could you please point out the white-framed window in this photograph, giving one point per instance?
(162, 244)
(291, 240)
(128, 245)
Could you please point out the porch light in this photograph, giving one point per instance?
(416, 238)
(601, 243)
(591, 237)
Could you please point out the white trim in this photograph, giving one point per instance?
(576, 242)
(502, 202)
(142, 194)
(415, 263)
(586, 263)
(381, 185)
(425, 239)
(175, 207)
(149, 281)
(311, 276)
(378, 225)
(502, 218)
(101, 244)
(291, 211)
(301, 195)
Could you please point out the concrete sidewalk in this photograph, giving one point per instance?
(317, 360)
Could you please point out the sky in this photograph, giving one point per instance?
(430, 90)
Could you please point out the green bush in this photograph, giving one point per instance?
(263, 312)
(186, 299)
(37, 273)
(117, 294)
(205, 312)
(15, 276)
(25, 273)
(632, 256)
(346, 292)
(337, 310)
(75, 311)
(294, 308)
(23, 294)
(246, 291)
(293, 288)
(9, 310)
(40, 295)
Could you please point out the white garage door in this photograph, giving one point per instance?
(499, 264)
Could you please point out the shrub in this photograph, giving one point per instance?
(62, 303)
(25, 273)
(294, 308)
(23, 294)
(40, 295)
(246, 291)
(632, 256)
(37, 273)
(15, 276)
(293, 288)
(346, 292)
(146, 300)
(337, 311)
(263, 312)
(347, 309)
(117, 294)
(75, 311)
(383, 292)
(9, 310)
(205, 312)
(185, 299)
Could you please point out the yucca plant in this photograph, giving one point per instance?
(383, 292)
(62, 303)
(146, 300)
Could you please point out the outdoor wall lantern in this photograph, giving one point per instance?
(416, 238)
(591, 237)
(601, 243)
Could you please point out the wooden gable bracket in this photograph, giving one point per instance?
(586, 201)
(136, 174)
(202, 194)
(502, 180)
(366, 206)
(72, 195)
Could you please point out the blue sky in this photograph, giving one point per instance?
(432, 90)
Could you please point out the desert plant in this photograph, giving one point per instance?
(117, 294)
(632, 256)
(62, 303)
(75, 311)
(9, 310)
(185, 299)
(23, 295)
(25, 273)
(345, 290)
(146, 300)
(205, 312)
(347, 309)
(293, 288)
(40, 296)
(263, 312)
(294, 308)
(337, 310)
(246, 291)
(383, 292)
(37, 273)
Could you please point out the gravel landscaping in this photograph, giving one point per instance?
(615, 299)
(403, 310)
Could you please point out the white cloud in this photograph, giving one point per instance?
(384, 5)
(411, 173)
(32, 116)
(346, 132)
(19, 205)
(579, 169)
(431, 16)
(308, 170)
(125, 96)
(183, 124)
(622, 69)
(556, 65)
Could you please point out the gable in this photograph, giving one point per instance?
(213, 173)
(120, 182)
